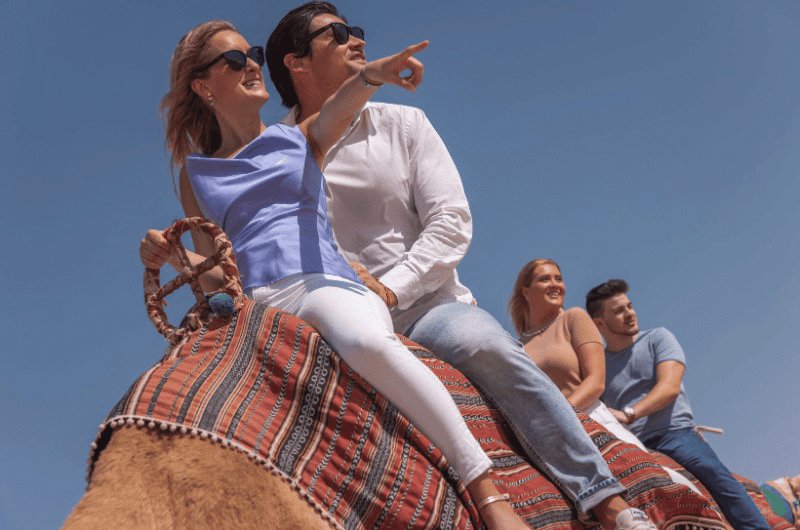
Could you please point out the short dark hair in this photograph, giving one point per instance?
(604, 291)
(289, 36)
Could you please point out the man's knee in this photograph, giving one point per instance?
(463, 335)
(473, 347)
(701, 463)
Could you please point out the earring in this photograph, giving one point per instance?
(211, 100)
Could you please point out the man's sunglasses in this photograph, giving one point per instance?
(341, 32)
(236, 59)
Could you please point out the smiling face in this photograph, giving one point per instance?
(618, 317)
(230, 90)
(545, 293)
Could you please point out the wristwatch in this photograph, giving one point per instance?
(629, 413)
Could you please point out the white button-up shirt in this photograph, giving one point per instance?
(397, 206)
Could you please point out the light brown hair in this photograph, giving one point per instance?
(189, 122)
(517, 305)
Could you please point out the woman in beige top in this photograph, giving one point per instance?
(566, 345)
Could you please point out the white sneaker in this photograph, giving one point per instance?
(633, 519)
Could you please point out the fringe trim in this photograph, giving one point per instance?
(106, 428)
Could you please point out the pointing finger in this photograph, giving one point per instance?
(414, 48)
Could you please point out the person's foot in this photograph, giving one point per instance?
(633, 519)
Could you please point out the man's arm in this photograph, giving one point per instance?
(326, 127)
(443, 212)
(669, 375)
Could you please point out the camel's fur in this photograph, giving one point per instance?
(146, 479)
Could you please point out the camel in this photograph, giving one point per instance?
(251, 421)
(148, 479)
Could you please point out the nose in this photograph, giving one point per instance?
(251, 67)
(356, 43)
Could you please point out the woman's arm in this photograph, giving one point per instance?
(325, 128)
(155, 250)
(592, 364)
(586, 340)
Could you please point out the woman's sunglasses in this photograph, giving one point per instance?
(237, 59)
(341, 32)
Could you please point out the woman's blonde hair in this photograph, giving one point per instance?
(517, 305)
(189, 122)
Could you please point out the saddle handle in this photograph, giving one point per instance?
(154, 292)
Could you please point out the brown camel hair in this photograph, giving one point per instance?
(148, 479)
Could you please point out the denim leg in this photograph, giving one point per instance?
(472, 341)
(689, 450)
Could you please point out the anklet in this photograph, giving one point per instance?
(493, 498)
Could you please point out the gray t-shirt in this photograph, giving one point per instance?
(631, 375)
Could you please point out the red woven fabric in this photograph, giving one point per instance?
(264, 383)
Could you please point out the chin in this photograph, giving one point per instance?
(261, 94)
(355, 65)
(256, 99)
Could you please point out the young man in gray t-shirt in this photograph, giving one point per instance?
(644, 390)
(632, 373)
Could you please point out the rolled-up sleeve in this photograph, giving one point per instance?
(443, 212)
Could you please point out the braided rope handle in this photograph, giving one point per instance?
(154, 293)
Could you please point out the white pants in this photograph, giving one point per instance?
(357, 324)
(600, 413)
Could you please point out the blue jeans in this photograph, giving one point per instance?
(692, 452)
(472, 341)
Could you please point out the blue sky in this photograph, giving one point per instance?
(654, 141)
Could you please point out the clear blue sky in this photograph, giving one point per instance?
(655, 141)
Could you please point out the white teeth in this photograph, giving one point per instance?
(252, 84)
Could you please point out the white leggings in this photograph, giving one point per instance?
(357, 324)
(600, 413)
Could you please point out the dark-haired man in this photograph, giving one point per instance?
(644, 390)
(399, 213)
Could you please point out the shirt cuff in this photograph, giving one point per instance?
(405, 285)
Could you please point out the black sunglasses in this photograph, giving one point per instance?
(236, 59)
(341, 32)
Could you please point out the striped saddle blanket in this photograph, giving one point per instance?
(264, 383)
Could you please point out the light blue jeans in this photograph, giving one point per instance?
(474, 342)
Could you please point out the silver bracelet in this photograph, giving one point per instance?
(367, 82)
(493, 498)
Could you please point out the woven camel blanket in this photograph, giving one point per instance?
(774, 520)
(264, 383)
